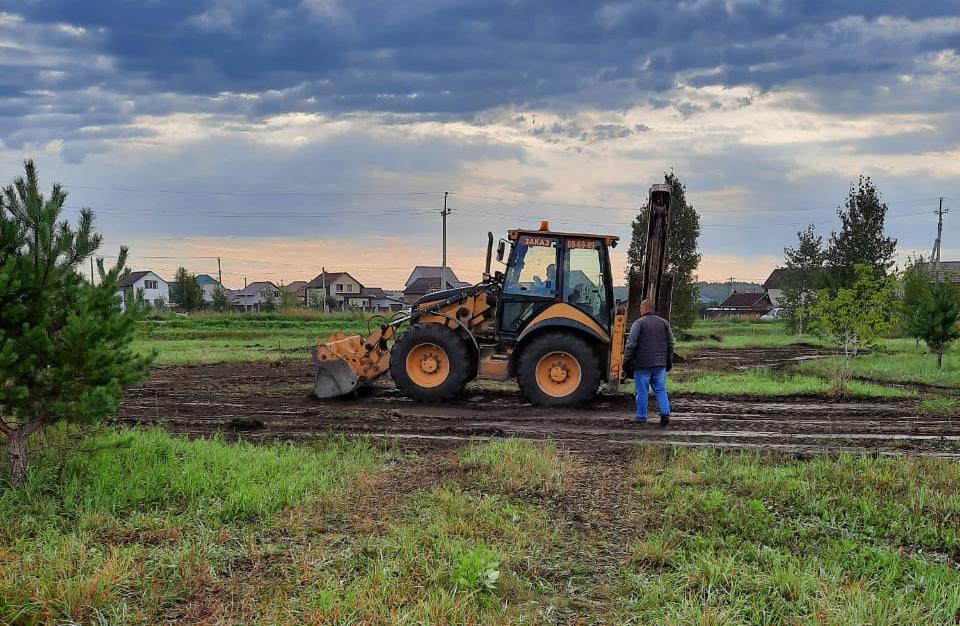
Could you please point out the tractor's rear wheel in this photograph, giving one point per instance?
(430, 363)
(558, 369)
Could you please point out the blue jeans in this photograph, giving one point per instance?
(646, 377)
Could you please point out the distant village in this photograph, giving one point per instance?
(340, 291)
(335, 291)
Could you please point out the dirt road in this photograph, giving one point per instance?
(271, 400)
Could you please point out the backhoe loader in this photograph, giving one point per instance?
(549, 320)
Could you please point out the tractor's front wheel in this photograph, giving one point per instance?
(430, 363)
(558, 369)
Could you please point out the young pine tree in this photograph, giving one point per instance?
(803, 276)
(185, 292)
(221, 300)
(682, 255)
(64, 344)
(935, 319)
(861, 240)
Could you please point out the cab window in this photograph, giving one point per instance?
(584, 285)
(534, 269)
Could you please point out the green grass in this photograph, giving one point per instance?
(210, 338)
(939, 405)
(136, 520)
(138, 528)
(767, 383)
(904, 367)
(742, 334)
(518, 464)
(754, 539)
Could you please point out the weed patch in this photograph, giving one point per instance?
(765, 540)
(518, 465)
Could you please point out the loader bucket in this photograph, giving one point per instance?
(344, 362)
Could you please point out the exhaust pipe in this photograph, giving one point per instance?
(486, 268)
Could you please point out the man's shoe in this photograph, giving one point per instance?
(640, 420)
(664, 419)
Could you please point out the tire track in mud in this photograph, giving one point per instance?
(271, 401)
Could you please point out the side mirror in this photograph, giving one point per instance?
(500, 250)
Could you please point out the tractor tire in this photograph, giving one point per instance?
(430, 363)
(558, 369)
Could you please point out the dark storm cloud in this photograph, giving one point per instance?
(460, 58)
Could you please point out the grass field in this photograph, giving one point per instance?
(733, 334)
(266, 337)
(908, 366)
(232, 338)
(139, 528)
(767, 383)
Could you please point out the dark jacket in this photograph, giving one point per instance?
(649, 344)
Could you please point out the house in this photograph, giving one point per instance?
(299, 289)
(381, 301)
(433, 271)
(344, 289)
(208, 286)
(742, 304)
(425, 279)
(154, 290)
(773, 286)
(253, 296)
(949, 272)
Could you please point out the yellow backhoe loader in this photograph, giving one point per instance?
(549, 320)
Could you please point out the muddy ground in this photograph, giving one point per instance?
(272, 400)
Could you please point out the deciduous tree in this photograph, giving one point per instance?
(853, 317)
(64, 343)
(682, 253)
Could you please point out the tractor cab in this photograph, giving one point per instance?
(546, 268)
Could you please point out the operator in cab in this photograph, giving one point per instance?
(647, 357)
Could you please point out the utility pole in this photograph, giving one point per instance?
(323, 282)
(244, 282)
(91, 271)
(935, 256)
(219, 272)
(443, 268)
(730, 281)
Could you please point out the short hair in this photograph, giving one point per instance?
(648, 303)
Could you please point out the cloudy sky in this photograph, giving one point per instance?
(289, 135)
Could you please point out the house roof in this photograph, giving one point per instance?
(295, 286)
(374, 292)
(205, 279)
(254, 288)
(775, 280)
(949, 269)
(432, 271)
(425, 285)
(332, 277)
(744, 300)
(133, 277)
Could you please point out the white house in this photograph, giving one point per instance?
(254, 295)
(208, 285)
(154, 290)
(773, 286)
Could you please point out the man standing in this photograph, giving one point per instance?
(649, 355)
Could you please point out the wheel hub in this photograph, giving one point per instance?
(558, 373)
(428, 365)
